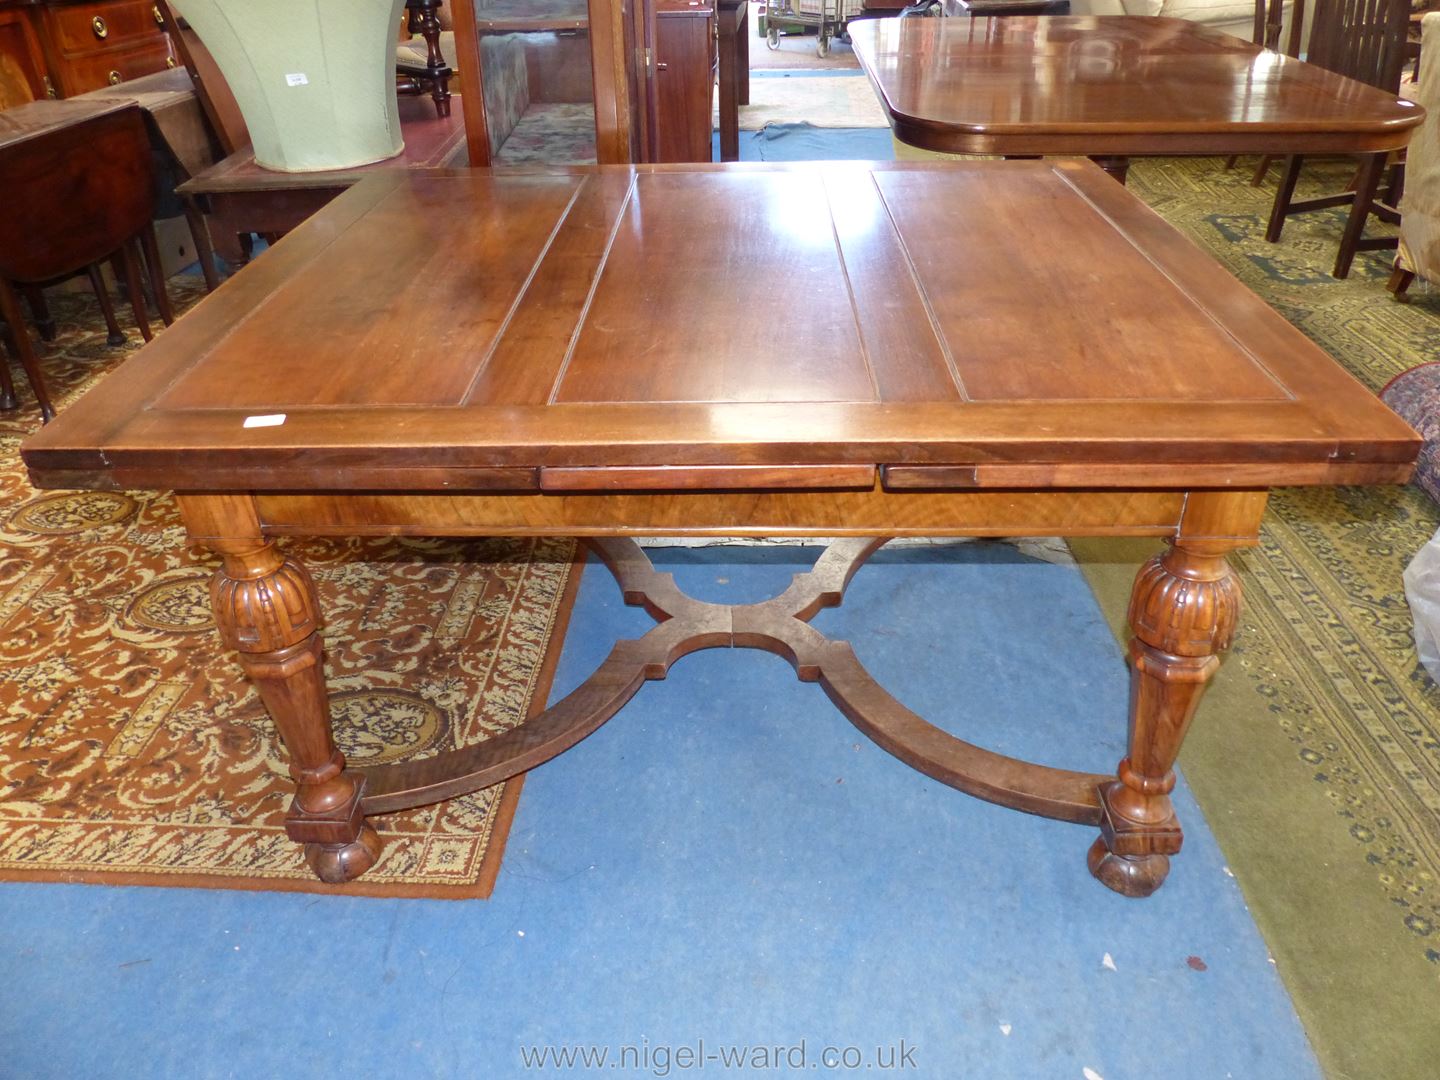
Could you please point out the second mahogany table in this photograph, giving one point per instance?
(1112, 88)
(576, 353)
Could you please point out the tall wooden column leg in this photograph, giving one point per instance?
(729, 57)
(1183, 613)
(742, 54)
(266, 610)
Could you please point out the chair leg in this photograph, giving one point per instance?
(126, 258)
(440, 93)
(1283, 194)
(1262, 170)
(1395, 183)
(10, 309)
(8, 400)
(1399, 282)
(1367, 183)
(115, 338)
(151, 248)
(44, 323)
(204, 250)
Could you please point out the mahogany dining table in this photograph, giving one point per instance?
(1113, 88)
(577, 352)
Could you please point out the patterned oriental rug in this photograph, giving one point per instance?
(132, 750)
(1330, 816)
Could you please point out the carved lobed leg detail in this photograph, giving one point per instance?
(1183, 614)
(265, 608)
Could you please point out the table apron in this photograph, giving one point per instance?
(1150, 144)
(739, 513)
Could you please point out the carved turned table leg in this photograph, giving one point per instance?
(1183, 614)
(266, 610)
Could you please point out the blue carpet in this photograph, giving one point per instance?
(805, 73)
(728, 861)
(805, 142)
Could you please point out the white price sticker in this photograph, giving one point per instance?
(296, 79)
(268, 420)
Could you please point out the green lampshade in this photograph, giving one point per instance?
(315, 79)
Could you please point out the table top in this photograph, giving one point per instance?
(431, 140)
(157, 90)
(36, 118)
(168, 98)
(726, 326)
(1113, 85)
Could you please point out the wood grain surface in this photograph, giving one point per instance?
(1117, 85)
(462, 330)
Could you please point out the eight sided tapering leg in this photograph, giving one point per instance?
(266, 610)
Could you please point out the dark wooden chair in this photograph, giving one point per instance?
(76, 195)
(1270, 22)
(1364, 40)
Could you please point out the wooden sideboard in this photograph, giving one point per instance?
(60, 48)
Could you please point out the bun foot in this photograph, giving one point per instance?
(338, 863)
(1129, 875)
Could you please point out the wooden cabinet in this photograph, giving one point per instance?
(22, 63)
(75, 46)
(685, 60)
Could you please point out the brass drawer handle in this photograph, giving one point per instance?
(169, 61)
(114, 77)
(155, 10)
(98, 25)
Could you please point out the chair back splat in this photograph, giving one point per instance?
(1361, 39)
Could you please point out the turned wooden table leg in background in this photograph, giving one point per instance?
(1183, 614)
(1117, 166)
(266, 610)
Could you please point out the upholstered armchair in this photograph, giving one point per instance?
(1420, 206)
(1230, 16)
